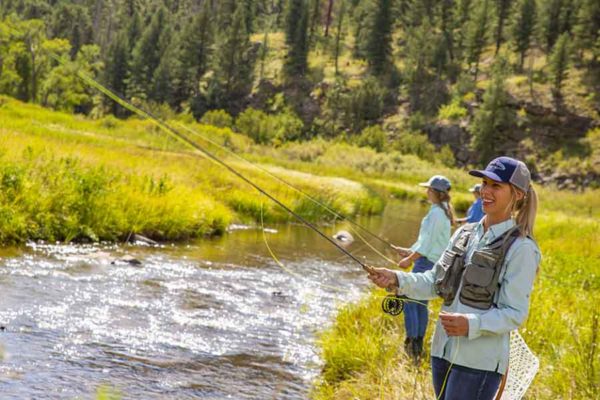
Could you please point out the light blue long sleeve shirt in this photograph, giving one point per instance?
(433, 234)
(487, 345)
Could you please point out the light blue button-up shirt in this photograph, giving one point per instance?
(487, 345)
(433, 234)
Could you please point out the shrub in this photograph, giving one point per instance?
(446, 156)
(364, 104)
(218, 118)
(373, 137)
(265, 128)
(417, 144)
(453, 111)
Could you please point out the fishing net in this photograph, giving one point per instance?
(523, 366)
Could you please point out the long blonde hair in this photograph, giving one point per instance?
(524, 211)
(443, 199)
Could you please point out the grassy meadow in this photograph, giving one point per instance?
(65, 178)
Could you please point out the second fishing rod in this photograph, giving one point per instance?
(213, 158)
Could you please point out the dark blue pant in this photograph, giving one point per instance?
(416, 315)
(462, 382)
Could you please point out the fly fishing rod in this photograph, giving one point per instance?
(209, 155)
(332, 211)
(392, 304)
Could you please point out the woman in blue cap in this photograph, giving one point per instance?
(485, 278)
(433, 238)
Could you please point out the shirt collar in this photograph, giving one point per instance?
(495, 230)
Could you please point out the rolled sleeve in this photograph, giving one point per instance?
(474, 326)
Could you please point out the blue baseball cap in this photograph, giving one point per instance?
(507, 170)
(437, 182)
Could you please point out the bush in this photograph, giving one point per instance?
(446, 156)
(417, 144)
(373, 137)
(453, 111)
(364, 104)
(218, 118)
(264, 128)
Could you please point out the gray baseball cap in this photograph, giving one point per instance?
(438, 182)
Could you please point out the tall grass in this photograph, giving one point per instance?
(64, 178)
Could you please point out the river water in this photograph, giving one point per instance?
(212, 319)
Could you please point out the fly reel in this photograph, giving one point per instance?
(393, 304)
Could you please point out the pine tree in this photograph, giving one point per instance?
(338, 35)
(233, 63)
(559, 63)
(587, 29)
(196, 49)
(550, 22)
(523, 28)
(494, 118)
(502, 15)
(379, 37)
(147, 56)
(476, 35)
(425, 60)
(71, 22)
(447, 26)
(296, 37)
(461, 23)
(117, 69)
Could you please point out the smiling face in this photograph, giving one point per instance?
(497, 199)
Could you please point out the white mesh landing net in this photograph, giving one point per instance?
(522, 367)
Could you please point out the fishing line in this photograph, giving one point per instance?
(449, 368)
(303, 193)
(207, 154)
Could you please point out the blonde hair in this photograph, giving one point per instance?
(524, 211)
(443, 199)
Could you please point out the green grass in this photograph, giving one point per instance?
(362, 351)
(64, 178)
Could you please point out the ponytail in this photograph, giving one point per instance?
(444, 202)
(526, 210)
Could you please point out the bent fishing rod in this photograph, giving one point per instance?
(331, 210)
(209, 155)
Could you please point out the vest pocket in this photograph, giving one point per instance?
(477, 290)
(479, 276)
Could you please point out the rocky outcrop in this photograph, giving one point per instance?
(549, 130)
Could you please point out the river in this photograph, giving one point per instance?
(210, 319)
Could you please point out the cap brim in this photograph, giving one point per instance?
(487, 174)
(424, 184)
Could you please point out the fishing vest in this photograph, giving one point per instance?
(480, 278)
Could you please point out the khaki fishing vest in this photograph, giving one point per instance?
(480, 278)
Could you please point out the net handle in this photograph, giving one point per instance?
(502, 384)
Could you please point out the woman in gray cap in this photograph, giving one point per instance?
(485, 278)
(434, 234)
